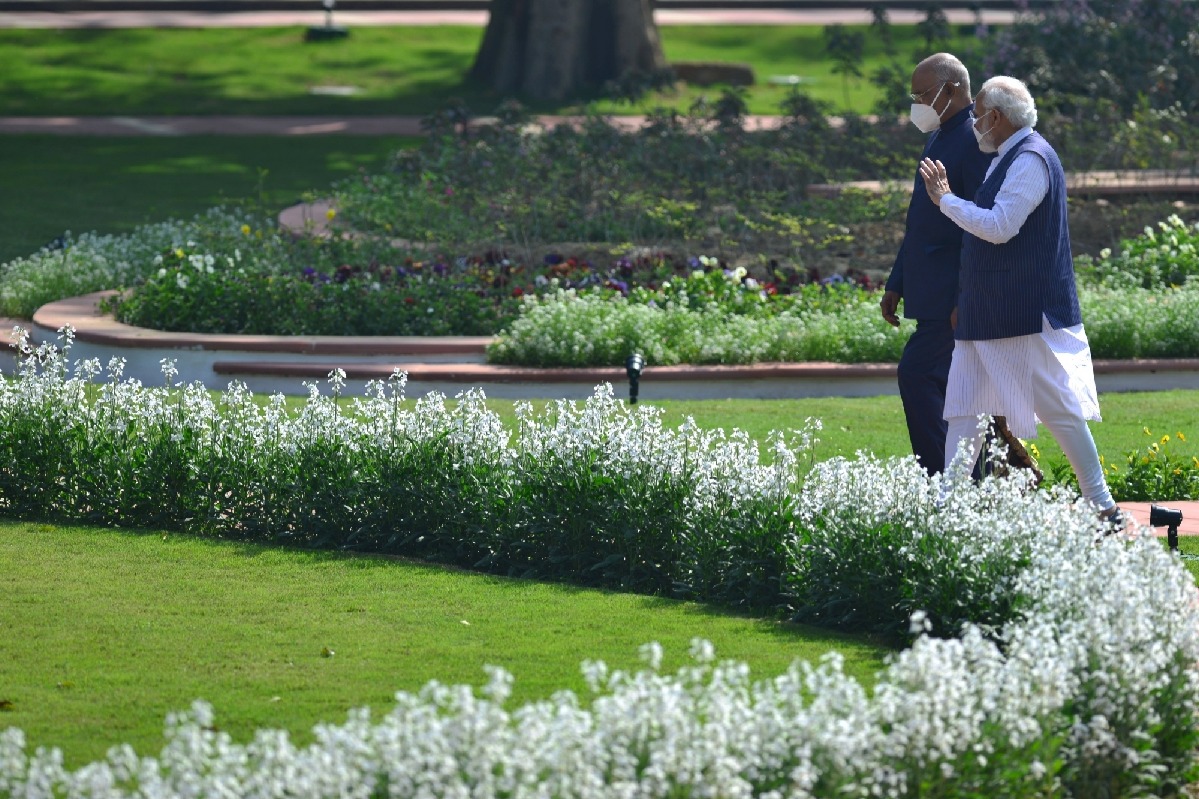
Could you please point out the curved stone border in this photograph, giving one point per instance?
(94, 327)
(269, 364)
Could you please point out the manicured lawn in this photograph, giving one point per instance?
(106, 631)
(396, 70)
(1189, 547)
(876, 424)
(81, 183)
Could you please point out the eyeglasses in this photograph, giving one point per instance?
(976, 118)
(916, 98)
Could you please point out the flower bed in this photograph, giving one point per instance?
(224, 273)
(1046, 659)
(692, 239)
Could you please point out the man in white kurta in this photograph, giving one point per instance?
(1021, 351)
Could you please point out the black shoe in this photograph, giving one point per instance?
(1113, 520)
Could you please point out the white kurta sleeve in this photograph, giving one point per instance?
(1023, 189)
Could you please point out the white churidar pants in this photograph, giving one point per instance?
(1044, 377)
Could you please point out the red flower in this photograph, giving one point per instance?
(518, 292)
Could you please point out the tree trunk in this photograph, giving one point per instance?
(552, 49)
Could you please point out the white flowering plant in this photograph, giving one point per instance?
(93, 262)
(1164, 255)
(569, 328)
(1046, 658)
(572, 329)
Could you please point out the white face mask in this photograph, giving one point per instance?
(925, 117)
(984, 143)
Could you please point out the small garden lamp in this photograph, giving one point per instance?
(1168, 518)
(329, 31)
(632, 367)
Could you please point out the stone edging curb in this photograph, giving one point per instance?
(92, 327)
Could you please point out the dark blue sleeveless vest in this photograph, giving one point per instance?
(1005, 288)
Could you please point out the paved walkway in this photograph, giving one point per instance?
(273, 125)
(368, 125)
(352, 19)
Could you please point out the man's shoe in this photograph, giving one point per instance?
(1112, 519)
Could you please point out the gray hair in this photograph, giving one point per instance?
(1011, 98)
(946, 68)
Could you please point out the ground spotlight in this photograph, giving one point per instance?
(328, 31)
(1168, 518)
(632, 367)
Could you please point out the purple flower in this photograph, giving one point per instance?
(553, 259)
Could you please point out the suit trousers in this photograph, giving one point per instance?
(923, 375)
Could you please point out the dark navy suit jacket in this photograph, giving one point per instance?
(926, 269)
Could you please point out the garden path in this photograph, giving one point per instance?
(364, 125)
(248, 19)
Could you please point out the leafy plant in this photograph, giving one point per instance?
(1120, 50)
(845, 47)
(1165, 257)
(1154, 474)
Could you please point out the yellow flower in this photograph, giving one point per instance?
(1036, 453)
(1144, 460)
(1195, 461)
(1178, 471)
(178, 253)
(332, 212)
(1165, 438)
(1181, 437)
(245, 230)
(1146, 429)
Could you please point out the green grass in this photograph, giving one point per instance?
(876, 424)
(1189, 547)
(112, 184)
(106, 631)
(791, 50)
(397, 70)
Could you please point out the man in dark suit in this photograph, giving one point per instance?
(925, 274)
(1021, 349)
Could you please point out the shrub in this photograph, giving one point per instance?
(92, 262)
(1166, 257)
(1142, 323)
(568, 329)
(700, 178)
(1066, 662)
(1122, 50)
(712, 319)
(199, 293)
(1153, 474)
